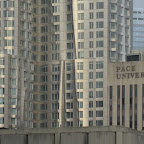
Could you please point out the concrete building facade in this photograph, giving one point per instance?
(15, 64)
(126, 94)
(91, 135)
(73, 41)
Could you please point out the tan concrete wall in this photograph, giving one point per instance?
(91, 135)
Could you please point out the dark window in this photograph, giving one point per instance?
(118, 92)
(135, 90)
(111, 92)
(143, 90)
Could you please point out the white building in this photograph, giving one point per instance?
(73, 41)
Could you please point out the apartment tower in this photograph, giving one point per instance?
(72, 43)
(15, 66)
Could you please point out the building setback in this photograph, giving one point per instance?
(73, 41)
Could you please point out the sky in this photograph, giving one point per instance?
(139, 3)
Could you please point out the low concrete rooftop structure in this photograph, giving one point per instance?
(85, 135)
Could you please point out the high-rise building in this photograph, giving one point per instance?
(15, 65)
(138, 29)
(72, 43)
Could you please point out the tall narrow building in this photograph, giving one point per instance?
(73, 41)
(138, 29)
(15, 65)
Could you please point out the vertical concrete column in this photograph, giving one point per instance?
(119, 137)
(57, 138)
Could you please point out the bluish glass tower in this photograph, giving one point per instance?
(138, 29)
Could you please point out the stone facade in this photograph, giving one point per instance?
(93, 135)
(126, 94)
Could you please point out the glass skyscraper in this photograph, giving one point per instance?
(138, 29)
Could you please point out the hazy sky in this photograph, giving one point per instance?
(139, 3)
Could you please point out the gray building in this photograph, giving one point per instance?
(138, 29)
(73, 41)
(15, 64)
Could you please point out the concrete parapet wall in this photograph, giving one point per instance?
(91, 135)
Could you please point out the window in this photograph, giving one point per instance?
(13, 111)
(91, 35)
(99, 113)
(81, 6)
(13, 91)
(80, 26)
(99, 34)
(70, 36)
(99, 65)
(43, 97)
(99, 44)
(69, 86)
(99, 84)
(80, 123)
(79, 95)
(69, 77)
(1, 100)
(90, 94)
(69, 46)
(99, 122)
(99, 15)
(90, 113)
(2, 81)
(99, 53)
(69, 27)
(81, 35)
(99, 74)
(80, 45)
(79, 85)
(80, 65)
(99, 103)
(91, 15)
(90, 65)
(100, 24)
(69, 105)
(91, 6)
(1, 110)
(90, 85)
(91, 45)
(44, 68)
(90, 75)
(80, 16)
(13, 101)
(90, 54)
(80, 104)
(69, 95)
(80, 76)
(91, 25)
(80, 114)
(55, 67)
(99, 94)
(99, 5)
(69, 7)
(69, 66)
(90, 104)
(70, 55)
(69, 114)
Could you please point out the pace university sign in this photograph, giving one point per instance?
(128, 72)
